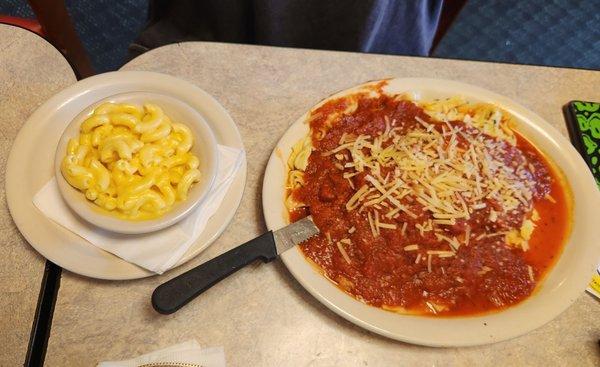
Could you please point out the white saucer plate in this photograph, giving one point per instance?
(31, 165)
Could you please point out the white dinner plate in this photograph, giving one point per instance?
(31, 165)
(563, 284)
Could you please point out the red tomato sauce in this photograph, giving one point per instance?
(381, 273)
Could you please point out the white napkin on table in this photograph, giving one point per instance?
(189, 352)
(156, 251)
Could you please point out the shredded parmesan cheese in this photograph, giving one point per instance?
(387, 225)
(441, 253)
(372, 224)
(431, 307)
(530, 270)
(352, 203)
(340, 247)
(446, 180)
(403, 230)
(350, 183)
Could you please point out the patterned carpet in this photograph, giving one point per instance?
(543, 32)
(105, 27)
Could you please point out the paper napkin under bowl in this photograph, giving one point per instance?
(156, 251)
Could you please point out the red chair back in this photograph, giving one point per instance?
(30, 24)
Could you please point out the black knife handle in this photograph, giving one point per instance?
(177, 292)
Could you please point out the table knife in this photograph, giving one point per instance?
(177, 292)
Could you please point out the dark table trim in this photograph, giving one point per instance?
(42, 322)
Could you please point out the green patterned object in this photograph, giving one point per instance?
(584, 118)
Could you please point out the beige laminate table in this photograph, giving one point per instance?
(31, 71)
(261, 315)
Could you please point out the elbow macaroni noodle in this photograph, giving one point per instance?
(134, 162)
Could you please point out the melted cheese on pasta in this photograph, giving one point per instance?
(132, 162)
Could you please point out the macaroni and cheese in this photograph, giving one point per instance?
(133, 162)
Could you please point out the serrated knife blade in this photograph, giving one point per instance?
(294, 234)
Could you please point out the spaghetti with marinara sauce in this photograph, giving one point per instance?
(435, 207)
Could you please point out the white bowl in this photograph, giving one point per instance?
(205, 148)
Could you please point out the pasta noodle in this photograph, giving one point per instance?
(297, 162)
(133, 162)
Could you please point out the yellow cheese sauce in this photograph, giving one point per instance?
(132, 162)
